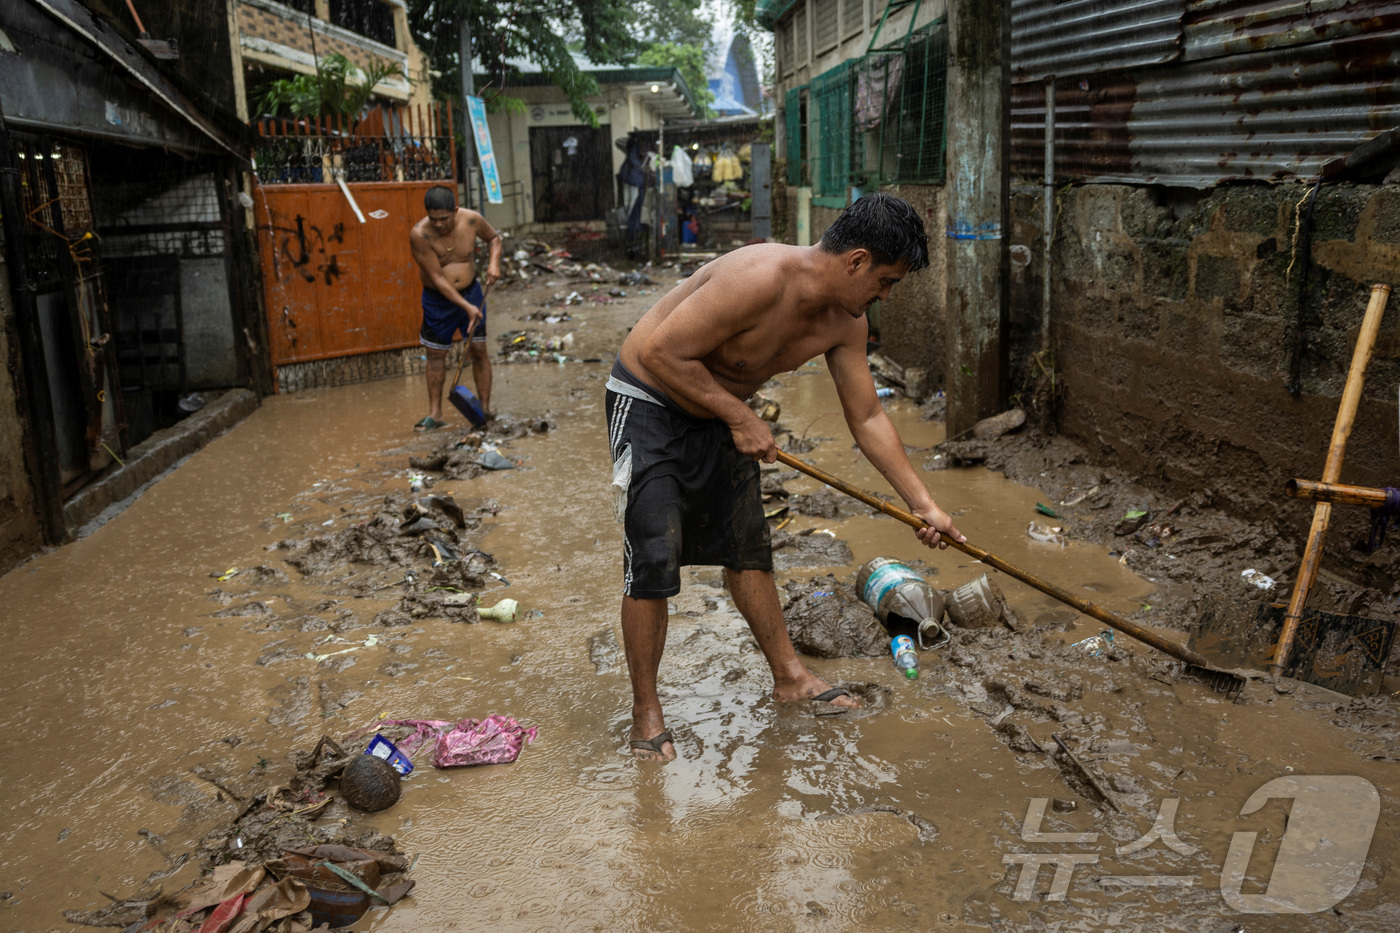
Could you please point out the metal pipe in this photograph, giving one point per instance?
(1049, 219)
(467, 83)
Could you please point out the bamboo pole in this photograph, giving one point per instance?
(1322, 514)
(1222, 681)
(1335, 492)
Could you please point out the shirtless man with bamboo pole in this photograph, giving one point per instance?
(686, 447)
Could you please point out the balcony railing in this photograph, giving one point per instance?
(401, 143)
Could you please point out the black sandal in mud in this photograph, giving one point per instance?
(654, 743)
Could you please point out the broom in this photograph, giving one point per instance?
(462, 398)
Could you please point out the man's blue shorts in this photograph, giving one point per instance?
(442, 319)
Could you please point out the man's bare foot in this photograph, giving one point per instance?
(814, 688)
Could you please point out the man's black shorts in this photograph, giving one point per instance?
(692, 498)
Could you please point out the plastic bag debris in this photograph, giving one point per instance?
(494, 740)
(493, 460)
(191, 403)
(1257, 578)
(1046, 534)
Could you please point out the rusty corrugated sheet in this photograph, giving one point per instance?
(1057, 37)
(1227, 27)
(1274, 92)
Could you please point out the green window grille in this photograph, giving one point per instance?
(875, 120)
(918, 135)
(792, 122)
(831, 98)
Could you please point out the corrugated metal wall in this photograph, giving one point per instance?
(1088, 36)
(1244, 89)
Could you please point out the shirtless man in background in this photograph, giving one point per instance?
(686, 447)
(444, 246)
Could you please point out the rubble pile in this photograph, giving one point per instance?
(293, 861)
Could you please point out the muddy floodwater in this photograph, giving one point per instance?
(139, 695)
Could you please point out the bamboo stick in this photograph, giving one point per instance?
(1335, 492)
(1322, 514)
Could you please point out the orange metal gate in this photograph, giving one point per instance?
(334, 286)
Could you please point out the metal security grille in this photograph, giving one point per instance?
(880, 119)
(792, 124)
(824, 23)
(399, 144)
(799, 31)
(900, 110)
(786, 61)
(831, 97)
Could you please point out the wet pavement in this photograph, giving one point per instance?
(144, 701)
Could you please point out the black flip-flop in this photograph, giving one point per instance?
(826, 696)
(654, 743)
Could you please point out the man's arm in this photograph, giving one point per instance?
(879, 441)
(675, 351)
(428, 261)
(492, 236)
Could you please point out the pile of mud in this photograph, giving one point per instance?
(1191, 547)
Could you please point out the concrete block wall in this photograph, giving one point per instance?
(1174, 323)
(913, 325)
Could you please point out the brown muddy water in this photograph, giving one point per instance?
(129, 667)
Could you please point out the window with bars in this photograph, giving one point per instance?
(795, 124)
(852, 16)
(914, 133)
(824, 25)
(787, 61)
(799, 36)
(875, 120)
(831, 97)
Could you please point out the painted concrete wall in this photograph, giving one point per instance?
(20, 533)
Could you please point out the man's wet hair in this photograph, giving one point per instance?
(440, 198)
(884, 224)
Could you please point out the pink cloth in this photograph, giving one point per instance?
(494, 740)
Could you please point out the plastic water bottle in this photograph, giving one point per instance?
(898, 596)
(902, 647)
